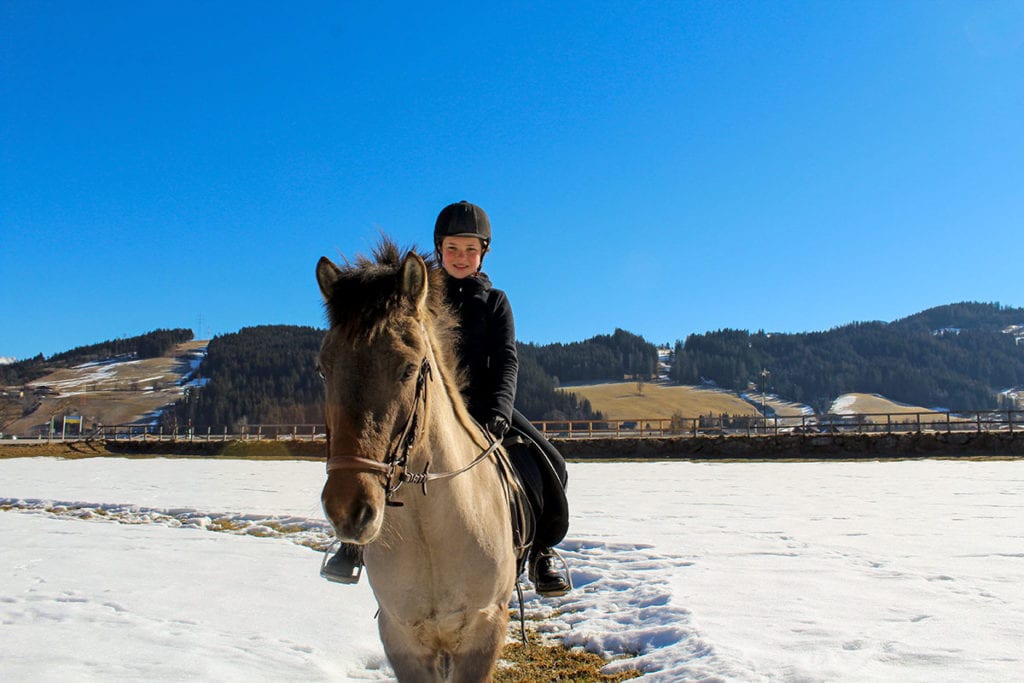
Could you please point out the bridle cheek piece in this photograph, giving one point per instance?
(393, 469)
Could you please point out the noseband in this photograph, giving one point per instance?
(393, 469)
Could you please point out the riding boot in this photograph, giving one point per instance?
(549, 574)
(345, 566)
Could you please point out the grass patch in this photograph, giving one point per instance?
(866, 404)
(622, 401)
(533, 662)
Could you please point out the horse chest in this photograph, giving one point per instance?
(429, 572)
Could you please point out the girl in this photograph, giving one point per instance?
(487, 350)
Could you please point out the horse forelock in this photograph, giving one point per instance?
(366, 300)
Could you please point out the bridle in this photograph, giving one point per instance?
(393, 469)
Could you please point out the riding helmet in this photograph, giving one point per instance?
(462, 219)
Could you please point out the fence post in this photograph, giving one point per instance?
(978, 416)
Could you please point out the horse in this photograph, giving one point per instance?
(442, 561)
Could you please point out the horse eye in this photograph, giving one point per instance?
(408, 371)
(320, 372)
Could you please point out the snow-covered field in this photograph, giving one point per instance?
(866, 571)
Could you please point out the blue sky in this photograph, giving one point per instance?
(665, 167)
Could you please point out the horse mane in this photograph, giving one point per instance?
(366, 297)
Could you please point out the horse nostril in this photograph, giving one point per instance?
(353, 521)
(362, 516)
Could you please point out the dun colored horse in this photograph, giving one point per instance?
(439, 552)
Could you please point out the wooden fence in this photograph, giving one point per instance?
(890, 423)
(710, 426)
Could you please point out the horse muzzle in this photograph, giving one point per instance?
(354, 505)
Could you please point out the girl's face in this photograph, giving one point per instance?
(461, 256)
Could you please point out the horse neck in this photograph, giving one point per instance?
(452, 436)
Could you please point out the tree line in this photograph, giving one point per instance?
(266, 375)
(955, 357)
(607, 358)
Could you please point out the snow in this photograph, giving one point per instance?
(195, 359)
(809, 571)
(87, 374)
(843, 405)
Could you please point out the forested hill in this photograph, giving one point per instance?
(267, 375)
(258, 375)
(966, 316)
(958, 356)
(150, 345)
(608, 358)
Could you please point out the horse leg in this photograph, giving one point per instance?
(474, 661)
(412, 662)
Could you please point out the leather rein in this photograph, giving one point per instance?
(393, 469)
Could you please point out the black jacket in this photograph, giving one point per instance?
(487, 346)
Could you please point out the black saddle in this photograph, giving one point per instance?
(534, 475)
(544, 486)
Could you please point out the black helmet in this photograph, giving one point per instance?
(462, 220)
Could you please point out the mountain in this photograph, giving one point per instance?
(611, 357)
(150, 345)
(967, 316)
(266, 375)
(258, 375)
(961, 356)
(134, 385)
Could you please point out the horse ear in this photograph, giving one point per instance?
(326, 275)
(414, 281)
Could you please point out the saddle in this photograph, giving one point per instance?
(523, 514)
(540, 510)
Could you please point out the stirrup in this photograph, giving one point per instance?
(565, 566)
(329, 554)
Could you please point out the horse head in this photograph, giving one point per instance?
(373, 362)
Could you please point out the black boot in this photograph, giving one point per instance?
(345, 566)
(549, 574)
